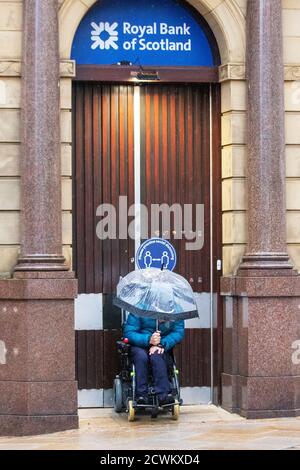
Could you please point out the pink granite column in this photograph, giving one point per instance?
(266, 247)
(38, 391)
(41, 247)
(262, 302)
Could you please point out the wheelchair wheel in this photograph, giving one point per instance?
(118, 395)
(131, 411)
(175, 411)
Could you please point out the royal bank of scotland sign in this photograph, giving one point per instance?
(157, 32)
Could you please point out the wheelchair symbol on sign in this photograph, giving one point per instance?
(164, 259)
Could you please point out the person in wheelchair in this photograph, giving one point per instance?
(149, 348)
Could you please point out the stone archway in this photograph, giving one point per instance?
(227, 21)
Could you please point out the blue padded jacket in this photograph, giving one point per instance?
(139, 330)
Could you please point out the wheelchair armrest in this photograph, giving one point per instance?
(123, 348)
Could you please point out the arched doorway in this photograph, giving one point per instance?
(146, 128)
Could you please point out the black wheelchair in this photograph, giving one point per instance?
(124, 387)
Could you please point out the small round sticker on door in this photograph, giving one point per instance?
(156, 253)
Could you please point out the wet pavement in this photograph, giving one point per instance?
(199, 427)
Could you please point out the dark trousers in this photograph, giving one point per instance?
(158, 362)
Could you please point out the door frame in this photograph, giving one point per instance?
(127, 74)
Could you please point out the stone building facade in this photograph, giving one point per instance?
(261, 292)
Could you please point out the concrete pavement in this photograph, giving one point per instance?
(199, 427)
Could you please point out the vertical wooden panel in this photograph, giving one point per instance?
(205, 193)
(103, 167)
(89, 186)
(111, 362)
(106, 181)
(99, 366)
(90, 359)
(130, 253)
(89, 363)
(114, 182)
(217, 239)
(175, 153)
(78, 186)
(81, 362)
(123, 139)
(193, 359)
(97, 176)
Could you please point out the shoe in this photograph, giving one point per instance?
(166, 399)
(142, 401)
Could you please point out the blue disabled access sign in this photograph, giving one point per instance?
(155, 253)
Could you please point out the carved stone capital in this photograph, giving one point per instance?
(237, 71)
(292, 72)
(10, 68)
(232, 71)
(13, 68)
(67, 68)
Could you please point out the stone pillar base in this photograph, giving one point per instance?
(41, 263)
(261, 343)
(12, 425)
(38, 391)
(261, 397)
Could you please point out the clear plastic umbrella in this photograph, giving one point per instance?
(159, 294)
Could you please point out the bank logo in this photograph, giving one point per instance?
(104, 35)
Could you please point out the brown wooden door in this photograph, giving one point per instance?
(103, 169)
(175, 154)
(175, 151)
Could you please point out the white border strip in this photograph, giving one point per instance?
(137, 165)
(104, 398)
(90, 398)
(89, 312)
